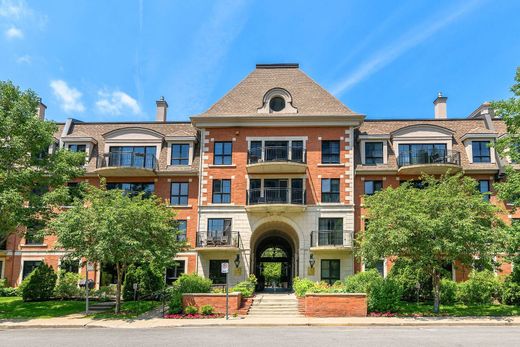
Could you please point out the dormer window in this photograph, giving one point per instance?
(481, 151)
(180, 154)
(277, 104)
(77, 148)
(277, 100)
(373, 153)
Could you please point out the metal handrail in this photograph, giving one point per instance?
(331, 238)
(277, 154)
(276, 196)
(212, 238)
(436, 156)
(127, 159)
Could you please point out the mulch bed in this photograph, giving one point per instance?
(193, 316)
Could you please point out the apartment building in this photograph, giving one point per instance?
(274, 171)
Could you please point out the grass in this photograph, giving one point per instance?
(129, 310)
(458, 310)
(15, 307)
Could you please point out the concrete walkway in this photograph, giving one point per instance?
(78, 322)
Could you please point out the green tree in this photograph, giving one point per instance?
(108, 226)
(445, 221)
(30, 174)
(509, 146)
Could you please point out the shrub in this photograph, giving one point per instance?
(448, 291)
(191, 310)
(104, 293)
(207, 310)
(416, 284)
(187, 284)
(384, 296)
(175, 305)
(39, 285)
(511, 292)
(301, 286)
(362, 282)
(481, 288)
(67, 286)
(149, 281)
(5, 290)
(247, 287)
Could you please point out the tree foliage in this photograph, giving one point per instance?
(444, 222)
(108, 226)
(29, 174)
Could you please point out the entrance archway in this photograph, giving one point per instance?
(274, 247)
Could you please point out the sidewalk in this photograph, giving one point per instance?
(81, 322)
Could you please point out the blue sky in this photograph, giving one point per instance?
(110, 60)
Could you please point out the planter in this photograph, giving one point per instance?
(217, 300)
(334, 305)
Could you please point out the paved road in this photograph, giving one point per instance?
(265, 336)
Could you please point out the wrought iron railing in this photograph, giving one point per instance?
(221, 238)
(127, 159)
(276, 196)
(331, 238)
(418, 157)
(277, 154)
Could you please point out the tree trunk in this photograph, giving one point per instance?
(436, 290)
(118, 289)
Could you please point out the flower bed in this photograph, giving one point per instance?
(194, 316)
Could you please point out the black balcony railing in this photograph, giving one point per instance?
(331, 238)
(276, 154)
(127, 159)
(214, 238)
(419, 157)
(276, 196)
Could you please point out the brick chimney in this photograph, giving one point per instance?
(440, 107)
(162, 109)
(40, 110)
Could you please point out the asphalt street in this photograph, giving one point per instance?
(265, 336)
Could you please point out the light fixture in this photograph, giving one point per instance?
(312, 261)
(237, 261)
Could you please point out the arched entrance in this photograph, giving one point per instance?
(274, 258)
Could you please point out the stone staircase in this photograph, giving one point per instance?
(274, 305)
(102, 306)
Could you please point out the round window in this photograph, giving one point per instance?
(277, 104)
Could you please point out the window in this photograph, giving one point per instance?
(3, 245)
(132, 156)
(223, 153)
(330, 231)
(182, 226)
(29, 266)
(373, 153)
(483, 187)
(481, 151)
(77, 148)
(215, 274)
(69, 265)
(174, 272)
(221, 191)
(330, 270)
(379, 265)
(179, 193)
(277, 104)
(33, 234)
(218, 227)
(133, 188)
(424, 153)
(330, 152)
(180, 154)
(330, 190)
(1, 268)
(373, 186)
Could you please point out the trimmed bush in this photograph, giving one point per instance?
(67, 286)
(363, 282)
(191, 310)
(39, 285)
(149, 280)
(207, 310)
(187, 284)
(5, 290)
(416, 284)
(384, 296)
(481, 288)
(247, 287)
(448, 291)
(104, 293)
(301, 286)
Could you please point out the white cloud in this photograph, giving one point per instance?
(69, 97)
(14, 9)
(116, 102)
(24, 59)
(395, 49)
(14, 33)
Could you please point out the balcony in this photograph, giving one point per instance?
(433, 162)
(330, 240)
(211, 241)
(126, 164)
(276, 200)
(277, 159)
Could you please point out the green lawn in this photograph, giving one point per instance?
(14, 307)
(458, 310)
(130, 309)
